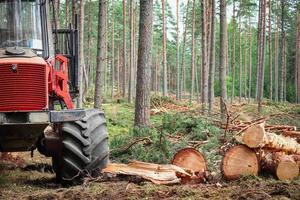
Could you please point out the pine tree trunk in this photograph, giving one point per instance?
(74, 12)
(177, 51)
(261, 50)
(276, 61)
(142, 106)
(100, 53)
(270, 54)
(223, 64)
(204, 96)
(67, 13)
(241, 61)
(165, 69)
(131, 59)
(297, 81)
(193, 55)
(250, 61)
(282, 82)
(81, 56)
(89, 46)
(183, 79)
(112, 78)
(212, 58)
(124, 59)
(233, 53)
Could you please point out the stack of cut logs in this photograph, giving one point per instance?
(266, 148)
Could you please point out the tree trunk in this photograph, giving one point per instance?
(193, 54)
(204, 95)
(212, 58)
(256, 137)
(270, 54)
(89, 46)
(142, 106)
(165, 72)
(131, 59)
(183, 79)
(74, 12)
(82, 89)
(297, 81)
(67, 13)
(233, 53)
(177, 51)
(100, 53)
(223, 64)
(282, 83)
(112, 78)
(250, 61)
(124, 69)
(233, 168)
(282, 166)
(241, 60)
(276, 61)
(261, 50)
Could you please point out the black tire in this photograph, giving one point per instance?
(84, 148)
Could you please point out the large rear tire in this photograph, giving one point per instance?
(84, 148)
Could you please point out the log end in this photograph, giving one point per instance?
(254, 136)
(239, 161)
(287, 170)
(194, 162)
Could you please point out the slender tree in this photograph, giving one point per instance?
(223, 63)
(112, 78)
(233, 52)
(177, 51)
(211, 91)
(193, 54)
(124, 59)
(260, 52)
(270, 54)
(142, 105)
(131, 58)
(100, 53)
(250, 61)
(276, 60)
(165, 69)
(297, 77)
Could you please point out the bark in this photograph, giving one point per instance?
(257, 137)
(74, 12)
(204, 96)
(89, 46)
(241, 60)
(223, 64)
(270, 54)
(282, 166)
(250, 61)
(233, 53)
(276, 61)
(193, 54)
(142, 105)
(165, 69)
(177, 51)
(131, 59)
(124, 68)
(100, 53)
(297, 81)
(118, 69)
(67, 13)
(183, 79)
(233, 168)
(112, 78)
(57, 13)
(212, 58)
(282, 80)
(82, 88)
(261, 54)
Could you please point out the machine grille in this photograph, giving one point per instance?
(23, 87)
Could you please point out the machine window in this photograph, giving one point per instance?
(20, 24)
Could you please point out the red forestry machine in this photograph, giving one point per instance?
(38, 83)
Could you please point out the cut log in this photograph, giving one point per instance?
(194, 162)
(256, 136)
(292, 134)
(239, 161)
(158, 174)
(282, 166)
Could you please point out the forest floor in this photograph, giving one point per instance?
(174, 125)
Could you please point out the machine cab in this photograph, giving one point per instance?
(24, 24)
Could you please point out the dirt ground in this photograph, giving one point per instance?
(35, 179)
